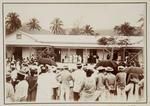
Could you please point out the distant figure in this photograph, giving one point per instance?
(66, 77)
(32, 81)
(101, 83)
(121, 83)
(9, 93)
(78, 78)
(110, 83)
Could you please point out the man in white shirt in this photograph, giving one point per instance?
(21, 88)
(78, 78)
(44, 87)
(9, 93)
(66, 77)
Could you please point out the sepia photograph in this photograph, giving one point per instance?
(75, 52)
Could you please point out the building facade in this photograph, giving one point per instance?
(71, 48)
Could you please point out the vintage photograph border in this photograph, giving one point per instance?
(145, 52)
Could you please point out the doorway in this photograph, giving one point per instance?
(79, 52)
(58, 55)
(18, 53)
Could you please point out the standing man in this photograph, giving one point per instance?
(44, 87)
(121, 83)
(9, 93)
(100, 84)
(66, 77)
(78, 78)
(110, 83)
(21, 88)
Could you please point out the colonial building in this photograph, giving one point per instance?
(72, 48)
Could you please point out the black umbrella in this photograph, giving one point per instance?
(47, 61)
(136, 70)
(108, 63)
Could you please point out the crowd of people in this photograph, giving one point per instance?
(28, 81)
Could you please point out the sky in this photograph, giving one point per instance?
(99, 16)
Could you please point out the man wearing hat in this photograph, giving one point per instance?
(121, 83)
(101, 82)
(110, 83)
(78, 78)
(22, 87)
(14, 72)
(55, 84)
(66, 77)
(9, 93)
(44, 87)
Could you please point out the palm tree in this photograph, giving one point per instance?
(34, 24)
(88, 30)
(125, 29)
(12, 22)
(56, 26)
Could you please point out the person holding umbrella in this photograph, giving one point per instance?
(110, 83)
(121, 83)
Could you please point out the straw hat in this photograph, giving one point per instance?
(109, 69)
(101, 68)
(22, 72)
(65, 67)
(79, 64)
(121, 68)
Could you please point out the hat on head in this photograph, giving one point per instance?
(109, 69)
(121, 68)
(22, 72)
(33, 68)
(101, 68)
(79, 64)
(65, 67)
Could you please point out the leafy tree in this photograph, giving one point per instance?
(12, 22)
(123, 42)
(88, 30)
(56, 26)
(125, 29)
(34, 24)
(106, 41)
